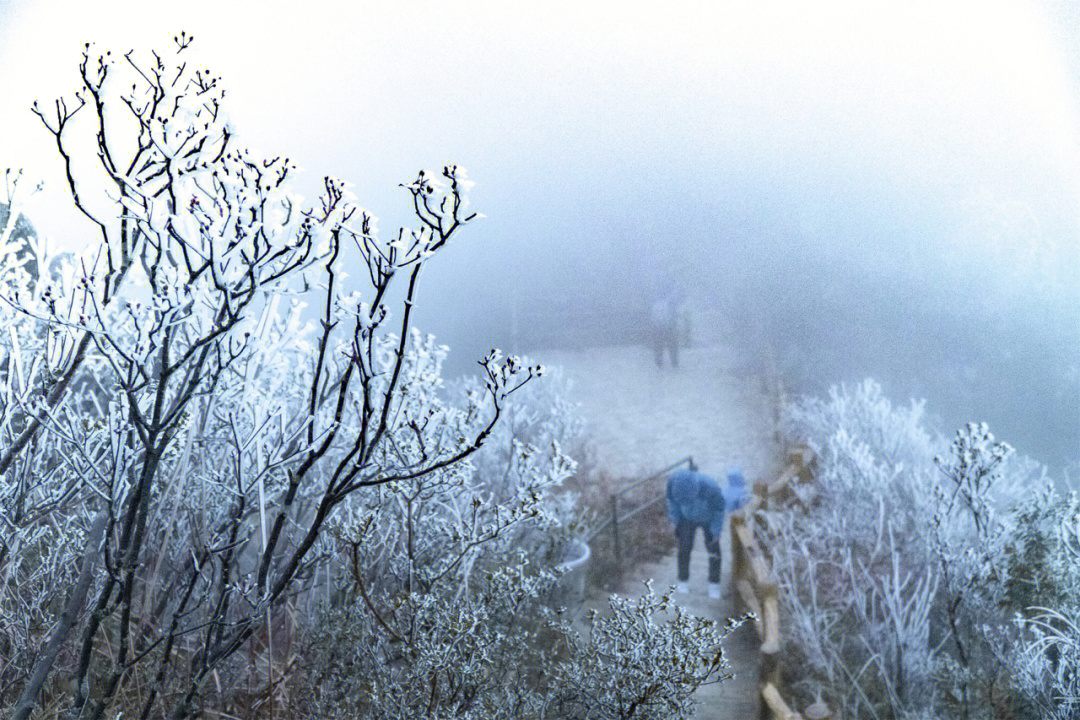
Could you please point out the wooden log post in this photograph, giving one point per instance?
(803, 457)
(761, 490)
(781, 487)
(758, 586)
(769, 672)
(773, 706)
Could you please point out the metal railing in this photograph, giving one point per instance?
(619, 515)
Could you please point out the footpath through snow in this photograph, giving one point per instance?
(640, 417)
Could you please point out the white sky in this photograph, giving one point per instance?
(889, 143)
(583, 93)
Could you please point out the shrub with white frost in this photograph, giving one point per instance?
(210, 502)
(923, 578)
(1044, 587)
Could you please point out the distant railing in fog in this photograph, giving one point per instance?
(556, 325)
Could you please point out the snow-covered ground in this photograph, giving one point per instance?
(641, 418)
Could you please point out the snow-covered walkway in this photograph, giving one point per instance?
(641, 418)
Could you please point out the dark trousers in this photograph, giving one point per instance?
(685, 532)
(666, 339)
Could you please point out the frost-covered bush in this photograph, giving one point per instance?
(37, 562)
(540, 426)
(1044, 588)
(643, 659)
(542, 415)
(904, 565)
(1046, 663)
(196, 480)
(477, 515)
(504, 656)
(445, 595)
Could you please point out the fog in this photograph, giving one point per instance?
(887, 190)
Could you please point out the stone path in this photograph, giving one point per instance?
(642, 418)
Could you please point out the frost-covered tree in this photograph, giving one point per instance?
(192, 476)
(201, 431)
(19, 242)
(917, 574)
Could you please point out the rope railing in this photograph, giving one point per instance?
(756, 586)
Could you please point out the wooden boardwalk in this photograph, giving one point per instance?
(641, 418)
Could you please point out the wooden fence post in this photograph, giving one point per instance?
(761, 489)
(769, 670)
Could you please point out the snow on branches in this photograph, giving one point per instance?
(207, 425)
(918, 574)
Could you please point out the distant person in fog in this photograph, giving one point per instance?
(695, 500)
(664, 326)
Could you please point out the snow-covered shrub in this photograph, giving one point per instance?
(1043, 550)
(854, 571)
(642, 659)
(502, 655)
(900, 571)
(38, 540)
(444, 598)
(188, 466)
(1044, 590)
(541, 415)
(1046, 663)
(540, 427)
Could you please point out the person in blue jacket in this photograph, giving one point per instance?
(695, 500)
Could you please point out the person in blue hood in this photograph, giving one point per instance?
(695, 500)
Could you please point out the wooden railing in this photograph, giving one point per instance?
(756, 586)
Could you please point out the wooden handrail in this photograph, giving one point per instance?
(776, 704)
(757, 588)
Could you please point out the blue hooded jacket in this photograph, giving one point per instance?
(697, 498)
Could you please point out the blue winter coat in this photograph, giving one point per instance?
(697, 498)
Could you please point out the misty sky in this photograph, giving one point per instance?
(923, 149)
